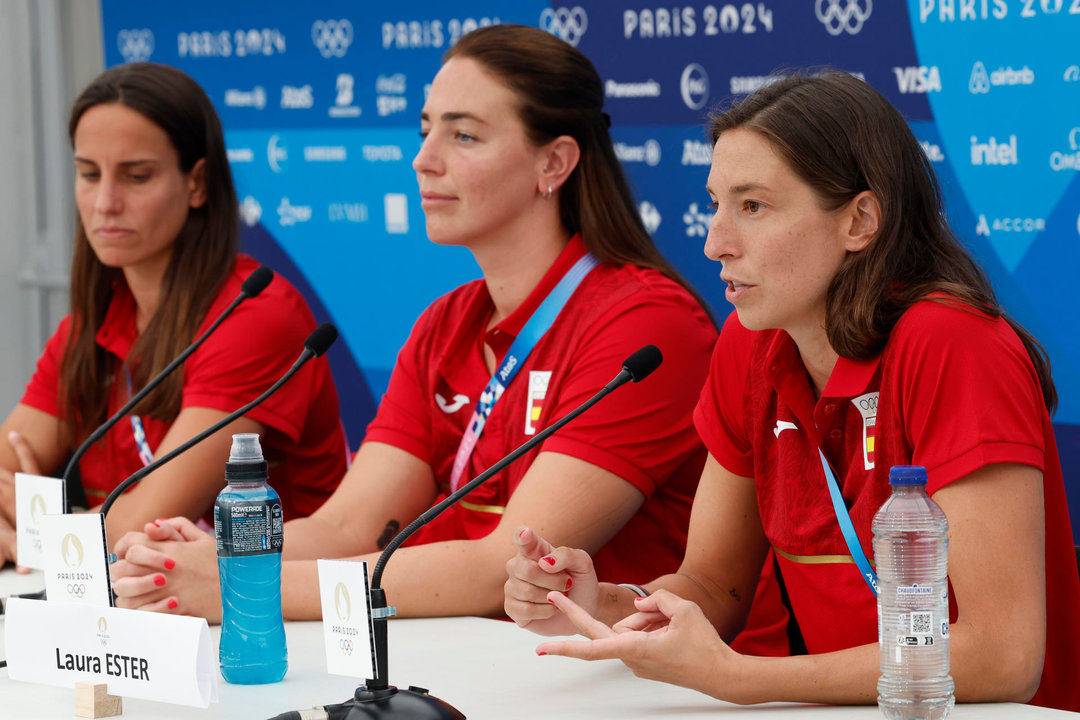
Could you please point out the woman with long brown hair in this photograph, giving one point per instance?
(863, 330)
(516, 165)
(155, 262)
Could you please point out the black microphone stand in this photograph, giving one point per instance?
(376, 698)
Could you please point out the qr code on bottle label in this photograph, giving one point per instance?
(922, 623)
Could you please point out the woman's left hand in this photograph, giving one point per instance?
(27, 464)
(668, 639)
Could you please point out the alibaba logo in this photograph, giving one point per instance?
(71, 550)
(342, 602)
(37, 508)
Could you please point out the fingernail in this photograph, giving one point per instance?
(173, 604)
(638, 599)
(156, 524)
(160, 520)
(569, 583)
(549, 560)
(159, 580)
(541, 652)
(551, 601)
(169, 563)
(522, 532)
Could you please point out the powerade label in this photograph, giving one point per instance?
(248, 528)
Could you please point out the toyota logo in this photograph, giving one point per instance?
(135, 45)
(840, 16)
(568, 24)
(332, 37)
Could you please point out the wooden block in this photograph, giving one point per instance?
(93, 701)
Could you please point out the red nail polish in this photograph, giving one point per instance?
(522, 532)
(551, 601)
(541, 653)
(156, 525)
(549, 560)
(159, 580)
(169, 563)
(173, 604)
(569, 583)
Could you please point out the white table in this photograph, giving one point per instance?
(485, 668)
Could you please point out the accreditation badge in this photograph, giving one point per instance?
(867, 407)
(534, 402)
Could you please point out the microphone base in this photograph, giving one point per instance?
(379, 700)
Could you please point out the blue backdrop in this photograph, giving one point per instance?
(321, 104)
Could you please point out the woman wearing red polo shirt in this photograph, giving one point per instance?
(863, 328)
(155, 262)
(516, 165)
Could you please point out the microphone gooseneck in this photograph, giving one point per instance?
(254, 284)
(320, 339)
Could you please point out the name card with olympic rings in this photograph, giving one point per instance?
(75, 559)
(154, 656)
(346, 616)
(35, 497)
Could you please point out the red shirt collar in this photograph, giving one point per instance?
(785, 371)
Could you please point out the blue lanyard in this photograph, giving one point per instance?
(538, 324)
(847, 528)
(145, 453)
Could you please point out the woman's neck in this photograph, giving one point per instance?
(513, 269)
(817, 355)
(144, 282)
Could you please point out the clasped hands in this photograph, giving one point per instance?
(554, 591)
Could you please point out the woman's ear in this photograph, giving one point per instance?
(862, 221)
(197, 184)
(556, 161)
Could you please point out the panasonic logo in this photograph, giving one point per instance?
(615, 89)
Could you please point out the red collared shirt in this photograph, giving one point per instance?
(304, 441)
(953, 391)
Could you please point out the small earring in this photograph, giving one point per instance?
(547, 195)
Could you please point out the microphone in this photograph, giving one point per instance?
(377, 698)
(254, 284)
(317, 343)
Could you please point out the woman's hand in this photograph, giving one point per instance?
(28, 464)
(169, 567)
(536, 570)
(668, 639)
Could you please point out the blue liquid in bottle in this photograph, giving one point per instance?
(248, 527)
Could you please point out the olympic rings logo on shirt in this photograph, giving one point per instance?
(332, 37)
(135, 45)
(76, 590)
(346, 646)
(843, 15)
(568, 24)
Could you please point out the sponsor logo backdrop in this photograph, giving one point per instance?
(321, 103)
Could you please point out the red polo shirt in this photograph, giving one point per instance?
(642, 433)
(953, 391)
(304, 441)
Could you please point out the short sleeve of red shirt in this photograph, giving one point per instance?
(719, 416)
(42, 390)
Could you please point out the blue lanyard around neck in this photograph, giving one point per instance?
(847, 528)
(146, 455)
(538, 324)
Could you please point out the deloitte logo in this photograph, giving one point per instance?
(694, 86)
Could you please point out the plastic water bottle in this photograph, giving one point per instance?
(911, 548)
(248, 526)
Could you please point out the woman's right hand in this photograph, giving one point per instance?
(170, 567)
(537, 569)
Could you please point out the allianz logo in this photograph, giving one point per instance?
(918, 79)
(297, 98)
(993, 152)
(254, 98)
(649, 153)
(289, 214)
(696, 152)
(981, 80)
(616, 89)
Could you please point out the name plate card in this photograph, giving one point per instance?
(75, 560)
(154, 656)
(346, 615)
(35, 497)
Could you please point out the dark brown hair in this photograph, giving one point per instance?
(559, 92)
(203, 253)
(842, 137)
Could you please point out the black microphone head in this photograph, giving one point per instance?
(257, 281)
(320, 340)
(642, 362)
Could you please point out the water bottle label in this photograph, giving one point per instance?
(914, 640)
(915, 589)
(248, 528)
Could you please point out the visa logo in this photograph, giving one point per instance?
(918, 79)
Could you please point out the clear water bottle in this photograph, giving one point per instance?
(248, 527)
(911, 549)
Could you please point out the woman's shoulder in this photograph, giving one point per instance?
(948, 320)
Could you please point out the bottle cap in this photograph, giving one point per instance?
(907, 475)
(246, 463)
